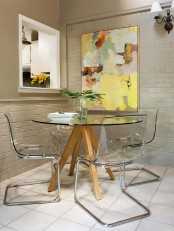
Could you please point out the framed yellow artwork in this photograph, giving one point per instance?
(110, 66)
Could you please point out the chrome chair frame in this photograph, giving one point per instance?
(123, 186)
(155, 176)
(53, 157)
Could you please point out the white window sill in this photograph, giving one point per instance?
(37, 90)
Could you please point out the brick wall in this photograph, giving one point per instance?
(156, 81)
(26, 132)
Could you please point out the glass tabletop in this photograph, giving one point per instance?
(90, 120)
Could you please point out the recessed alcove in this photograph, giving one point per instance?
(38, 56)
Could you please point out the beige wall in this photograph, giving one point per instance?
(44, 11)
(78, 9)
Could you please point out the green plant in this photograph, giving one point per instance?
(88, 94)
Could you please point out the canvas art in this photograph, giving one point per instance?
(110, 67)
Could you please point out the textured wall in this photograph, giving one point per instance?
(44, 11)
(27, 132)
(156, 81)
(77, 9)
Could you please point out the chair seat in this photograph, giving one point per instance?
(118, 157)
(127, 150)
(114, 158)
(36, 149)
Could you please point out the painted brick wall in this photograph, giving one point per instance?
(26, 132)
(156, 82)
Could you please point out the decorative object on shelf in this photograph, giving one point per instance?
(24, 39)
(41, 80)
(82, 99)
(156, 8)
(110, 65)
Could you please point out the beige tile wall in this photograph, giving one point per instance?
(29, 132)
(156, 81)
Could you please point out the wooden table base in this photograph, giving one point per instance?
(72, 147)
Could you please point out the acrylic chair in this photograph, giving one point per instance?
(150, 136)
(32, 152)
(121, 141)
(60, 136)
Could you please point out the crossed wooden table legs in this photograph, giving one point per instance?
(90, 142)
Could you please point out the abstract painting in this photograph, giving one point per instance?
(110, 67)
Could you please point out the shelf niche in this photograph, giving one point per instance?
(40, 55)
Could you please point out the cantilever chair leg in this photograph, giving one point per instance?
(156, 177)
(123, 189)
(11, 203)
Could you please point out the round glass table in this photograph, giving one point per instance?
(82, 130)
(90, 120)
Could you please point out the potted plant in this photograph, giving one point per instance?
(82, 98)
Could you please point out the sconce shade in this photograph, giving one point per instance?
(156, 7)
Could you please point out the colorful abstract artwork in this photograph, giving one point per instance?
(110, 67)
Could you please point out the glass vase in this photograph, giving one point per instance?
(81, 107)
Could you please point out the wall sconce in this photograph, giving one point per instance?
(156, 8)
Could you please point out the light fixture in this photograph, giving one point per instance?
(156, 8)
(24, 40)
